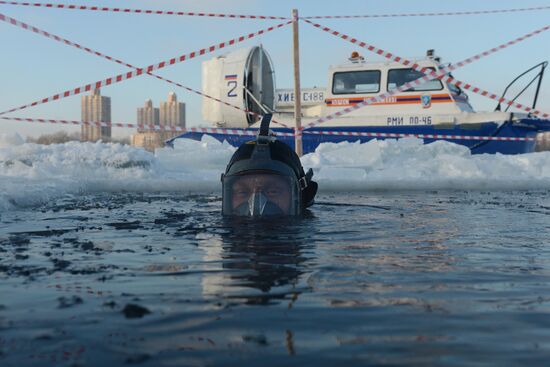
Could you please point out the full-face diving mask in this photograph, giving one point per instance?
(265, 178)
(261, 193)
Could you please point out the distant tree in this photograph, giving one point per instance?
(124, 141)
(59, 137)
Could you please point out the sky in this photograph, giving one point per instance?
(33, 67)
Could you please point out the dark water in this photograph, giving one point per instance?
(426, 279)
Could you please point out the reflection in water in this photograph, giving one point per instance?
(261, 260)
(425, 283)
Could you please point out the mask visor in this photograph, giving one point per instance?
(260, 194)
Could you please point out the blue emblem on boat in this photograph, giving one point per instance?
(426, 101)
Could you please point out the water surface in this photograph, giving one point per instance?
(441, 278)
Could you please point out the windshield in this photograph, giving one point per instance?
(398, 77)
(356, 82)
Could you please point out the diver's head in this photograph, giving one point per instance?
(265, 178)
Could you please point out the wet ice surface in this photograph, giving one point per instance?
(426, 278)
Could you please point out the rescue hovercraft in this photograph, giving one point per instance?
(433, 111)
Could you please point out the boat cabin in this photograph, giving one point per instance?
(359, 80)
(246, 78)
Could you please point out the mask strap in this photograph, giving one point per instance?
(264, 125)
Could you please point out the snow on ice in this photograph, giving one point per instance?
(32, 174)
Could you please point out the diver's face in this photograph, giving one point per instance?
(274, 187)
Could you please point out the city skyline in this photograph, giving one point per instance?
(62, 67)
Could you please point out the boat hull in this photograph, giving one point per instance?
(467, 135)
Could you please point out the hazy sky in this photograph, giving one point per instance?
(33, 67)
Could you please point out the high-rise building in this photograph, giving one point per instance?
(95, 108)
(172, 112)
(147, 115)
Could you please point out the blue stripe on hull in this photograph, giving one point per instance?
(311, 141)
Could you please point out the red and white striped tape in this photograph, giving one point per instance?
(144, 128)
(147, 69)
(421, 136)
(246, 132)
(430, 74)
(49, 35)
(477, 12)
(242, 16)
(138, 11)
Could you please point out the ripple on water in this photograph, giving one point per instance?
(436, 278)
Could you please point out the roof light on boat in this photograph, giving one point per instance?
(356, 57)
(430, 54)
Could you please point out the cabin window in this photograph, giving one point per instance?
(398, 77)
(356, 82)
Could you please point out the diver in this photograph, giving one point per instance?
(265, 178)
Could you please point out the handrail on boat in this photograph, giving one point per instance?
(539, 75)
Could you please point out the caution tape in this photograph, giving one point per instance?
(143, 127)
(131, 74)
(421, 136)
(138, 11)
(49, 35)
(477, 12)
(254, 132)
(429, 74)
(207, 130)
(244, 16)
